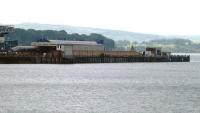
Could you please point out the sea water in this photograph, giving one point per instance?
(101, 88)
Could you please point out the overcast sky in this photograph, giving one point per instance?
(171, 17)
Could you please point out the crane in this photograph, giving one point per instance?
(5, 29)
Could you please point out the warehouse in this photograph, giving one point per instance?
(68, 47)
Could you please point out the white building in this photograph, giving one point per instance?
(69, 46)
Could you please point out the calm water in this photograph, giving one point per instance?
(101, 88)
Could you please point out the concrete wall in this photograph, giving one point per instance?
(92, 53)
(85, 53)
(69, 49)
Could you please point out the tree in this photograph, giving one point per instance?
(25, 37)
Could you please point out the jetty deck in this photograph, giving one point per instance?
(58, 59)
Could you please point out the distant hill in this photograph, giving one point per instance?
(168, 45)
(113, 34)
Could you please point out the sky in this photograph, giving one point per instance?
(168, 17)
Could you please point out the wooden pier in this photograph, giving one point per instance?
(107, 59)
(56, 57)
(77, 60)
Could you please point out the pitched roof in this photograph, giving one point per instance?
(73, 42)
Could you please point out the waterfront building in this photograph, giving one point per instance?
(70, 47)
(151, 51)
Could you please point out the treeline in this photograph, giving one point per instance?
(25, 37)
(171, 45)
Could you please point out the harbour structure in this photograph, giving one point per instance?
(64, 52)
(73, 49)
(70, 48)
(5, 29)
(155, 51)
(6, 45)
